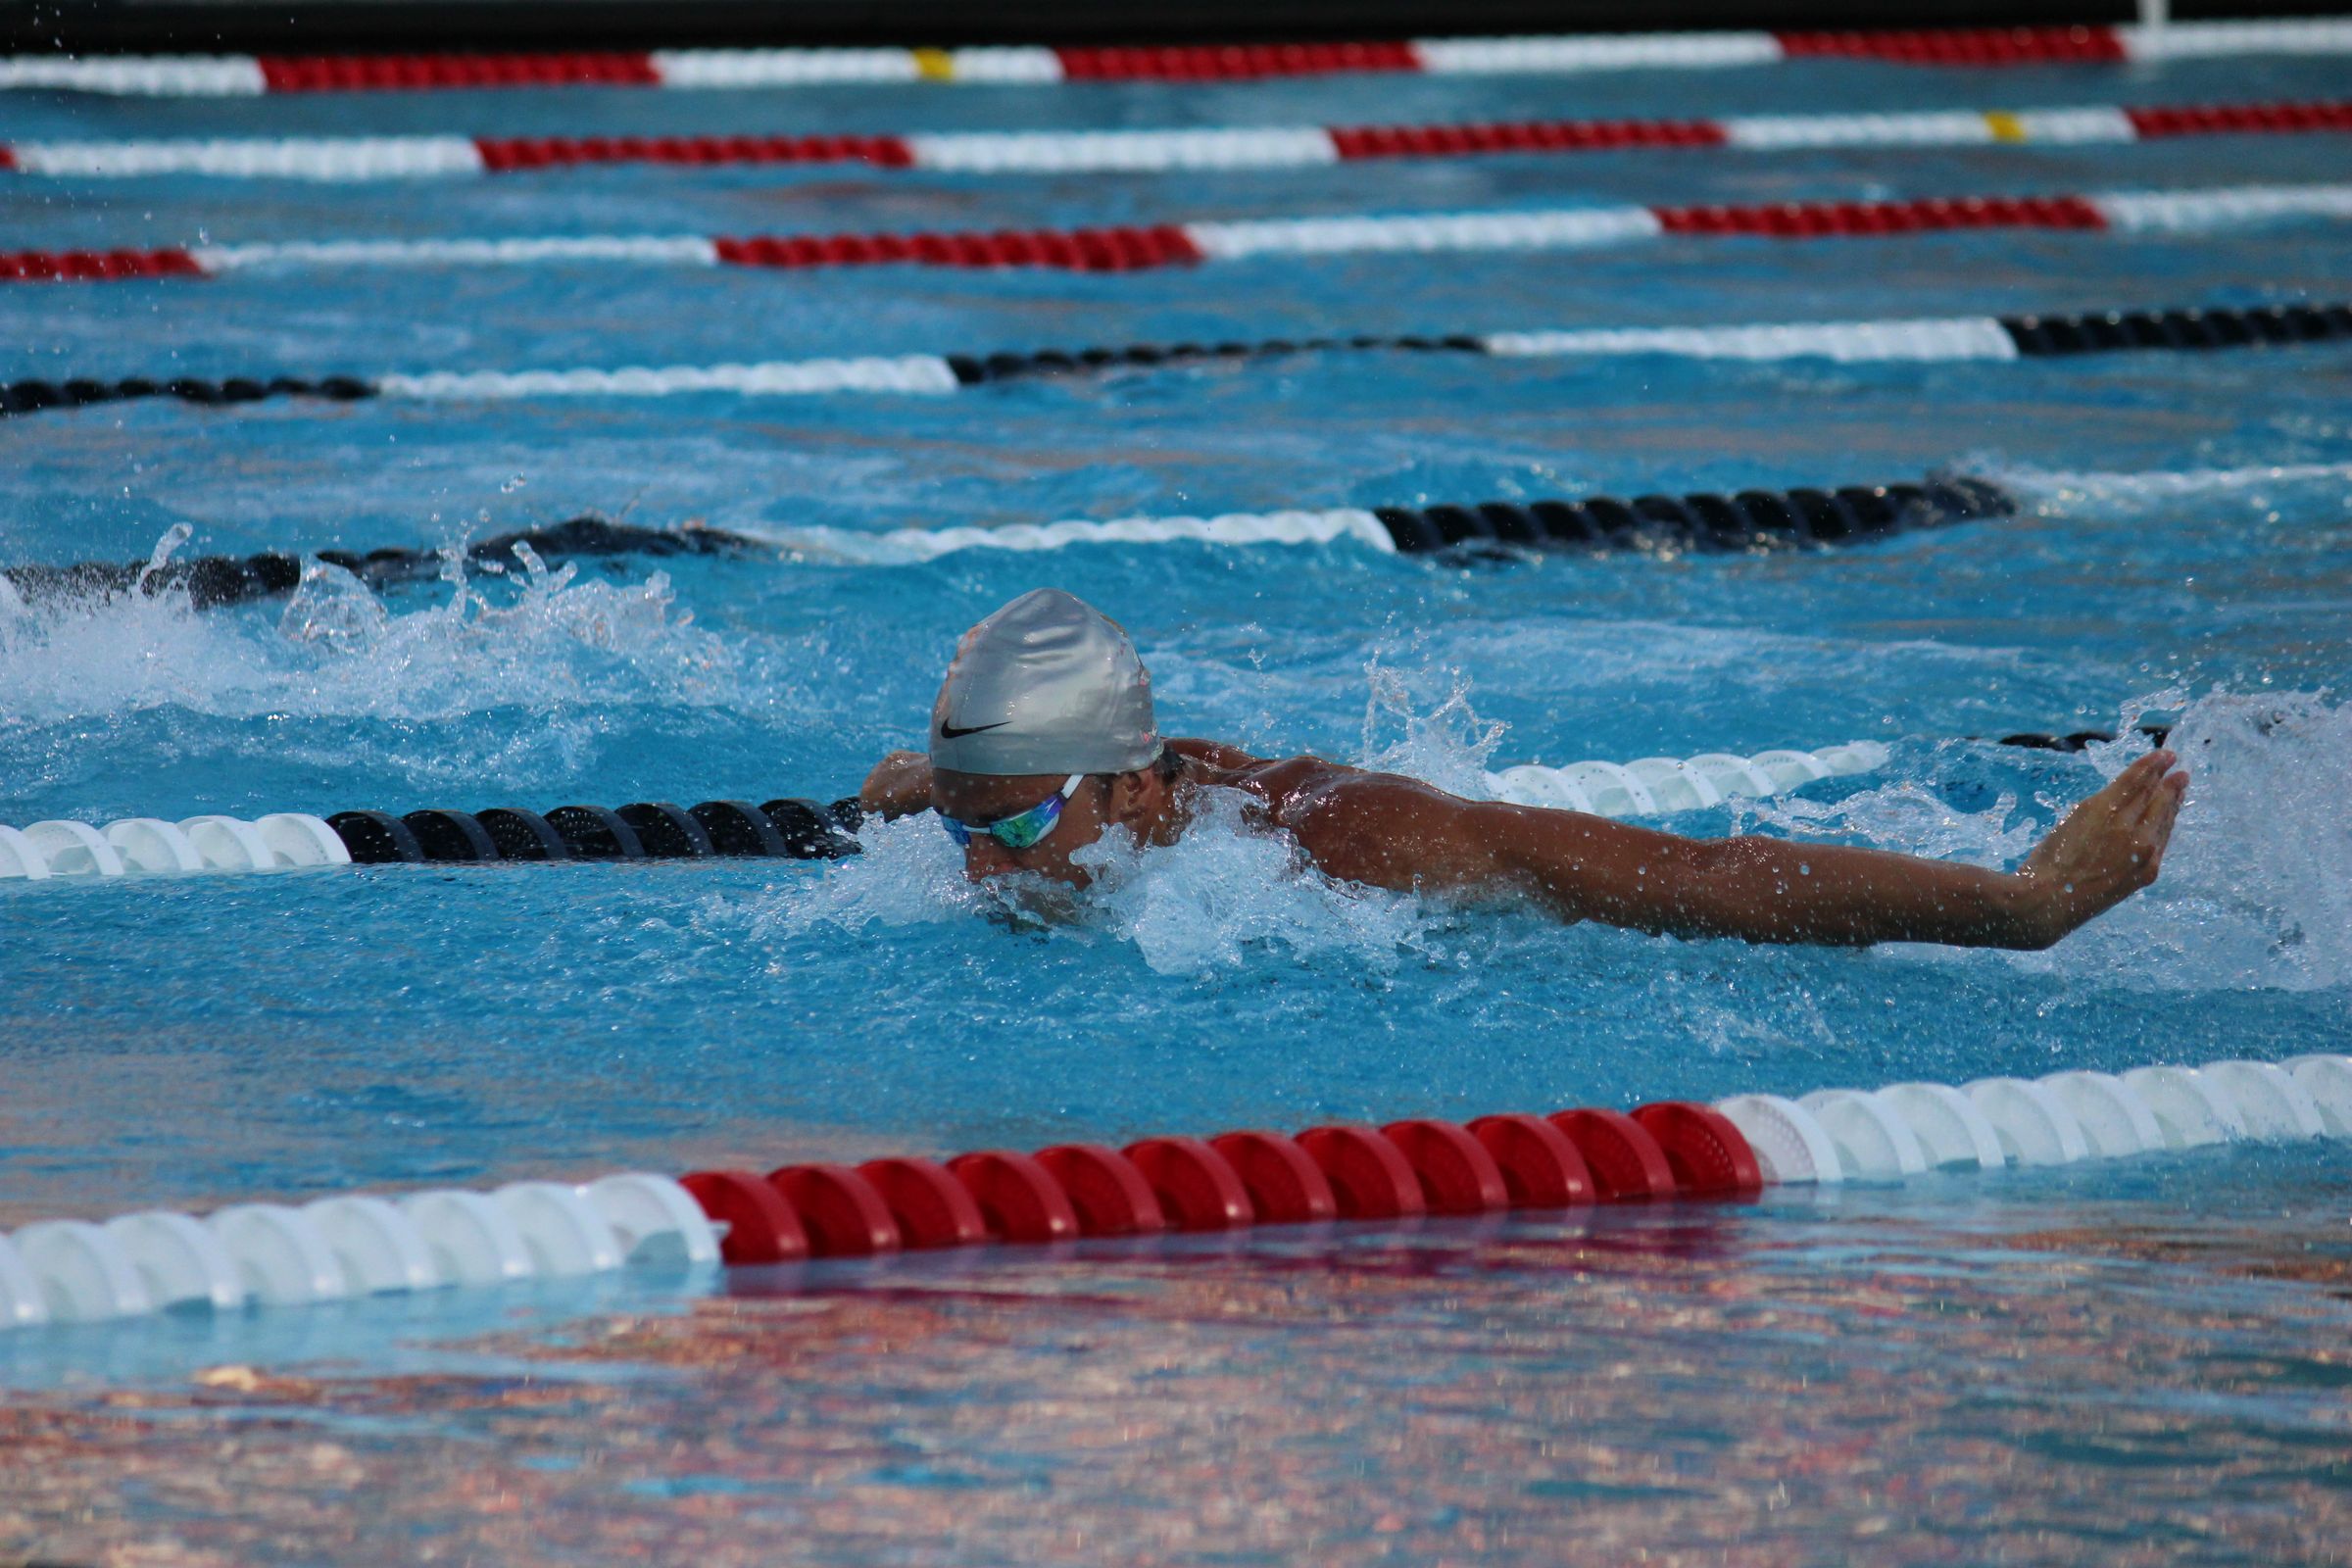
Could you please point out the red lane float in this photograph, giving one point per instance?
(930, 1207)
(1848, 220)
(1286, 1186)
(2235, 120)
(1369, 1176)
(89, 266)
(1626, 1161)
(506, 154)
(1419, 1165)
(1018, 1198)
(761, 1227)
(1109, 1196)
(1540, 1168)
(1117, 249)
(1253, 61)
(1199, 1188)
(840, 1211)
(421, 72)
(1703, 1149)
(1535, 136)
(1456, 1173)
(1963, 46)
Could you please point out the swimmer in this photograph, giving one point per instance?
(1043, 739)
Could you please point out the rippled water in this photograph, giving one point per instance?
(2130, 1363)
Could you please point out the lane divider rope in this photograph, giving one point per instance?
(214, 581)
(250, 75)
(1129, 248)
(794, 828)
(1904, 340)
(1734, 1150)
(357, 158)
(1658, 523)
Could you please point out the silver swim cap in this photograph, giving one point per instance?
(1048, 684)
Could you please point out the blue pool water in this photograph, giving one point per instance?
(2130, 1363)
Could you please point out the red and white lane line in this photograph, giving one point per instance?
(69, 1270)
(1136, 248)
(359, 159)
(249, 75)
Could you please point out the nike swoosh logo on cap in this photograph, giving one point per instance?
(948, 732)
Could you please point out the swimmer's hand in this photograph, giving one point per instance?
(899, 786)
(2108, 848)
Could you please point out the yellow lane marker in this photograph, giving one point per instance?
(934, 64)
(2006, 127)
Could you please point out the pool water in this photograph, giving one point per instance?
(2134, 1362)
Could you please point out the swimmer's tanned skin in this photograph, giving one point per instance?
(1398, 833)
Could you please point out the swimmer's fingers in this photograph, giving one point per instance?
(2137, 783)
(2164, 812)
(2146, 810)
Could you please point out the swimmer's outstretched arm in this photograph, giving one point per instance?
(1398, 833)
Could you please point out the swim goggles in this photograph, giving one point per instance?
(1019, 832)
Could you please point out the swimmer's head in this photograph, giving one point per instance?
(1045, 722)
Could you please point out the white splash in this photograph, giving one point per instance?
(1228, 887)
(1906, 815)
(1201, 906)
(1448, 745)
(2256, 890)
(551, 645)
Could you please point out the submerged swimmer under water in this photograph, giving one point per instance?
(1042, 739)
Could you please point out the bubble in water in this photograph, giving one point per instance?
(511, 485)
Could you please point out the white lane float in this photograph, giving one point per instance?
(152, 846)
(22, 1302)
(84, 1274)
(2115, 1120)
(19, 858)
(179, 1259)
(2033, 1124)
(73, 849)
(148, 845)
(1874, 1142)
(563, 1231)
(2328, 1079)
(1951, 1131)
(298, 838)
(377, 1245)
(472, 1239)
(654, 1219)
(2274, 1106)
(1655, 786)
(2191, 1110)
(280, 1254)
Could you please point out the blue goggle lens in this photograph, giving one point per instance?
(1018, 832)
